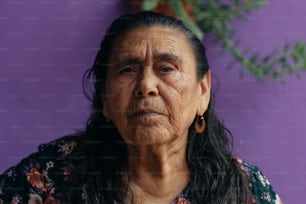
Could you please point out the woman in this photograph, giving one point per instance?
(153, 136)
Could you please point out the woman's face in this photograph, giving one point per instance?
(152, 92)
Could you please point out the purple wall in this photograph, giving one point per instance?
(45, 46)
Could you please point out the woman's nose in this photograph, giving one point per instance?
(146, 84)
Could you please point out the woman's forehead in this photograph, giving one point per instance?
(155, 41)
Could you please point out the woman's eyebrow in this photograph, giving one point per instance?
(167, 57)
(159, 57)
(130, 60)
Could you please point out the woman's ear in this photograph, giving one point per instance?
(204, 93)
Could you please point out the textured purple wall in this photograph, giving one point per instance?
(268, 119)
(45, 46)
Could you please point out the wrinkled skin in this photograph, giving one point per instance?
(152, 92)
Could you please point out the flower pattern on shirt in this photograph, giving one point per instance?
(41, 177)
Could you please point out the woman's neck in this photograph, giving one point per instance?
(157, 173)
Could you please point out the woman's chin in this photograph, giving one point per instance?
(150, 136)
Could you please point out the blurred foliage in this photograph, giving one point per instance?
(215, 17)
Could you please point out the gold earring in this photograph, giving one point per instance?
(200, 128)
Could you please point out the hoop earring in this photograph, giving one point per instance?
(200, 128)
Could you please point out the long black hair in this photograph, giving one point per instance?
(214, 175)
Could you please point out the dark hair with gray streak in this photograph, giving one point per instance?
(215, 176)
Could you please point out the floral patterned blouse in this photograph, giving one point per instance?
(41, 177)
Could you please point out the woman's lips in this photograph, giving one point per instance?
(145, 113)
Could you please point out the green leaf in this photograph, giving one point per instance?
(204, 15)
(300, 47)
(294, 57)
(224, 8)
(179, 12)
(261, 2)
(149, 5)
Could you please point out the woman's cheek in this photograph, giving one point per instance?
(173, 78)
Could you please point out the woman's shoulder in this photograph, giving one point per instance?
(39, 176)
(262, 190)
(61, 147)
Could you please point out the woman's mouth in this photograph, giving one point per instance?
(145, 113)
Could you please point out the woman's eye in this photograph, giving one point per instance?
(127, 70)
(166, 69)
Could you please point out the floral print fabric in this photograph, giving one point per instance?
(42, 176)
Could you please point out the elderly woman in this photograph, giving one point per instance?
(153, 136)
